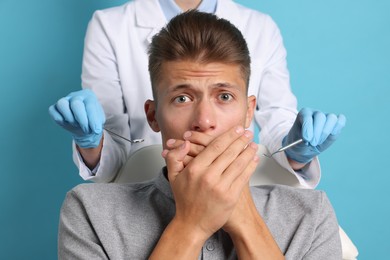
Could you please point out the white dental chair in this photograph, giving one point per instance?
(146, 163)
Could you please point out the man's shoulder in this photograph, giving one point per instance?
(108, 191)
(284, 190)
(286, 195)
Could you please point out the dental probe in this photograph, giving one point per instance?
(131, 141)
(284, 148)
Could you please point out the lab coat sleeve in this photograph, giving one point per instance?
(103, 171)
(76, 236)
(276, 104)
(100, 73)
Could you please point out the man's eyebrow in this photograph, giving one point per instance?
(214, 86)
(227, 86)
(224, 85)
(179, 87)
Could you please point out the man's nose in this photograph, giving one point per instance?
(204, 117)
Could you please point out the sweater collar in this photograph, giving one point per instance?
(161, 182)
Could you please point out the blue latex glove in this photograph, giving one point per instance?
(81, 114)
(318, 130)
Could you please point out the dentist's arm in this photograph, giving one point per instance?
(81, 114)
(318, 130)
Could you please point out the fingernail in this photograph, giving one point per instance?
(248, 134)
(171, 142)
(256, 158)
(254, 145)
(187, 134)
(239, 129)
(164, 153)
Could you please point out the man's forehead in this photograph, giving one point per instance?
(199, 66)
(183, 74)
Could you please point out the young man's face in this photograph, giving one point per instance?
(209, 98)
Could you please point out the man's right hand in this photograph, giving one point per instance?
(198, 141)
(81, 114)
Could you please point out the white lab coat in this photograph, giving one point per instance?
(115, 67)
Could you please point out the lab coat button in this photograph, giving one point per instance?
(210, 246)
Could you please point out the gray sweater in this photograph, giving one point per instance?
(125, 221)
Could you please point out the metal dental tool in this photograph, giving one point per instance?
(281, 149)
(131, 141)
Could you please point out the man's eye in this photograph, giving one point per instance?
(225, 97)
(182, 99)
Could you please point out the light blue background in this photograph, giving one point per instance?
(339, 59)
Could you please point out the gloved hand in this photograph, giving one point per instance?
(82, 115)
(318, 130)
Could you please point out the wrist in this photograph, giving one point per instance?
(190, 233)
(88, 141)
(244, 217)
(179, 241)
(296, 166)
(91, 156)
(299, 155)
(255, 241)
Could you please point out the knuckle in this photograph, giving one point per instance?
(192, 172)
(199, 149)
(193, 168)
(170, 156)
(222, 193)
(207, 180)
(62, 102)
(187, 160)
(76, 102)
(243, 140)
(306, 111)
(319, 114)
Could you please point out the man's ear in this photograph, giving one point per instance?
(250, 111)
(150, 111)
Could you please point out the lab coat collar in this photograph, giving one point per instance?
(149, 14)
